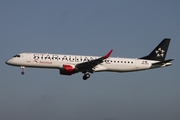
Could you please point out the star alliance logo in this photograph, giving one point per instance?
(160, 52)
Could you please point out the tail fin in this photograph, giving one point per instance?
(159, 53)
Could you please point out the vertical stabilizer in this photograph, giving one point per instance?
(159, 53)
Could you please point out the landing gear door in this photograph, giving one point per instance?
(28, 57)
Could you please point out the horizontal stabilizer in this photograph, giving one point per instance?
(163, 62)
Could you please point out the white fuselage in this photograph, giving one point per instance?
(56, 61)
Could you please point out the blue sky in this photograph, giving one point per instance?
(131, 28)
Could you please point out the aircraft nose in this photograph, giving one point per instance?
(7, 62)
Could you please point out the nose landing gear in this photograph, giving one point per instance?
(22, 67)
(86, 76)
(22, 73)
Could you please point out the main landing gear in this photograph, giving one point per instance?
(86, 76)
(22, 67)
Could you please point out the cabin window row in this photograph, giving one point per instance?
(79, 59)
(119, 61)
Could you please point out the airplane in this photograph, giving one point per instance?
(71, 64)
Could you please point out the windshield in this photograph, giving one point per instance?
(16, 56)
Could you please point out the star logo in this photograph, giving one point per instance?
(160, 52)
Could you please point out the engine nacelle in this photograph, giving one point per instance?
(68, 70)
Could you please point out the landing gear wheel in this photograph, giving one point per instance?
(22, 73)
(86, 76)
(22, 67)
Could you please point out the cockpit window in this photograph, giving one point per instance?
(16, 56)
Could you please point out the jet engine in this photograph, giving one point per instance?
(68, 70)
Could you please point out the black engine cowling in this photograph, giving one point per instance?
(68, 70)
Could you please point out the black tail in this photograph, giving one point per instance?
(159, 53)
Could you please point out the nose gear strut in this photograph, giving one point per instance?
(22, 67)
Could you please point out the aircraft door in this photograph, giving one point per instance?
(137, 63)
(28, 57)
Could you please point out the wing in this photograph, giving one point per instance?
(87, 66)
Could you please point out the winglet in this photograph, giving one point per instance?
(106, 56)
